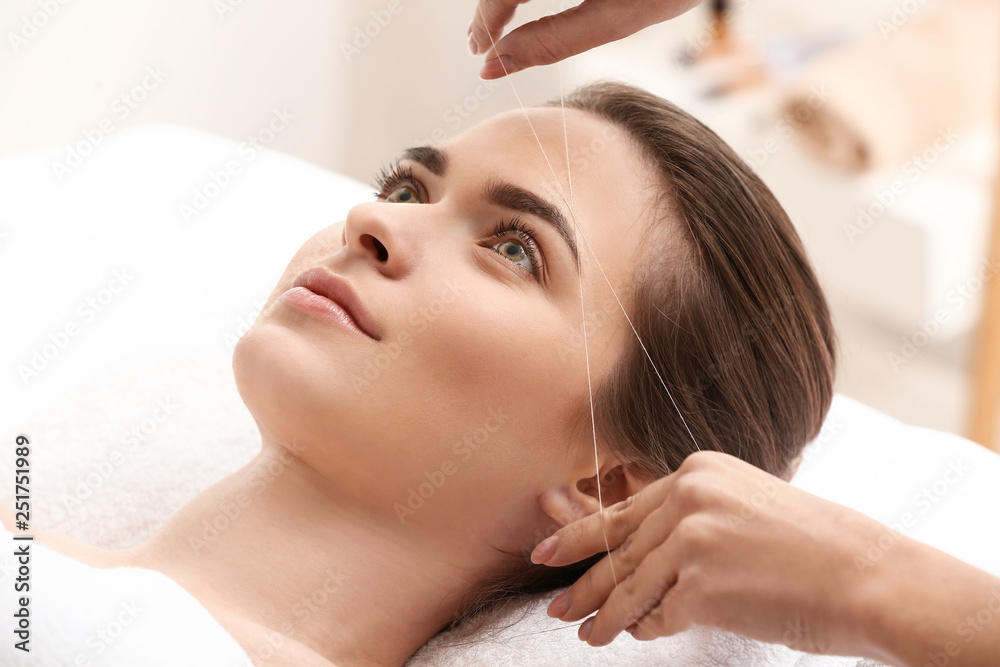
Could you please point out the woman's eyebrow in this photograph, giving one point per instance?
(507, 195)
(434, 159)
(501, 193)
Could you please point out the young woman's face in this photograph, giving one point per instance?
(472, 397)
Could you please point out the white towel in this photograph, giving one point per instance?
(119, 617)
(139, 412)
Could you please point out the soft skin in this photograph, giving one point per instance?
(318, 507)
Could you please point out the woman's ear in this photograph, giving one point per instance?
(567, 504)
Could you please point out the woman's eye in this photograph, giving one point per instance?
(403, 194)
(515, 252)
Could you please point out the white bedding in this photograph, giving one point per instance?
(117, 617)
(120, 314)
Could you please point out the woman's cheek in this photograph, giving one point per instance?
(322, 245)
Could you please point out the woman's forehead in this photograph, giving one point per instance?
(568, 152)
(552, 127)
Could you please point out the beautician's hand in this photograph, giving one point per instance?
(552, 38)
(722, 543)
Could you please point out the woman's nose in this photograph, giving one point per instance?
(385, 236)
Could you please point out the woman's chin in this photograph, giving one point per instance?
(289, 389)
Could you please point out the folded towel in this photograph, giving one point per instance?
(893, 95)
(120, 617)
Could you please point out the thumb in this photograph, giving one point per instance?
(578, 29)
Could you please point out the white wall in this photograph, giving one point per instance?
(227, 64)
(224, 71)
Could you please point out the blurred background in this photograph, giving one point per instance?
(874, 121)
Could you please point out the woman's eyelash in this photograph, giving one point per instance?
(525, 234)
(390, 178)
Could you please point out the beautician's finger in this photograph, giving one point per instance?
(586, 537)
(591, 590)
(578, 29)
(489, 20)
(559, 36)
(654, 583)
(666, 619)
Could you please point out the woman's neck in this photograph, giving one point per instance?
(275, 545)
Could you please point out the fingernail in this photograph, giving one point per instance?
(545, 549)
(473, 47)
(498, 66)
(561, 604)
(588, 625)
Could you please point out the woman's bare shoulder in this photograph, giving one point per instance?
(60, 543)
(77, 550)
(65, 545)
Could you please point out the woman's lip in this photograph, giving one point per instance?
(301, 298)
(332, 296)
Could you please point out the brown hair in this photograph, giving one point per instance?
(729, 310)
